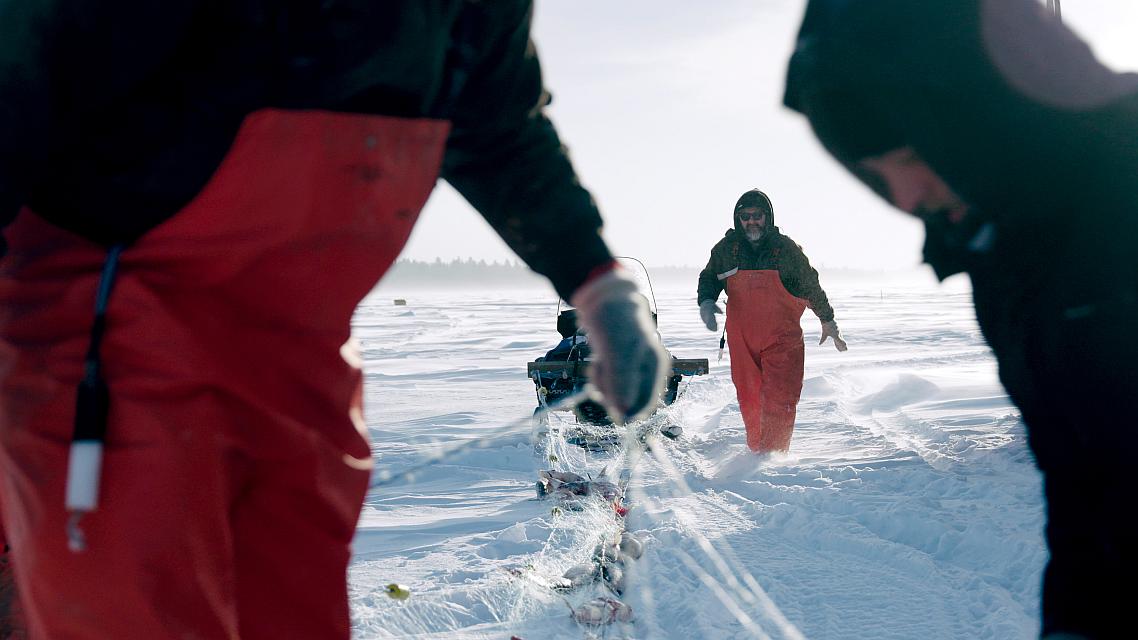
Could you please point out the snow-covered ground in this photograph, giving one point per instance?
(908, 506)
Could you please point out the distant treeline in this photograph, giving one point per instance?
(460, 272)
(468, 272)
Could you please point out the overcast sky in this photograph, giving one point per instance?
(672, 108)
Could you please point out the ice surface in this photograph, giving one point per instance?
(908, 506)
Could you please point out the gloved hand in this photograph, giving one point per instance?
(707, 311)
(830, 330)
(629, 364)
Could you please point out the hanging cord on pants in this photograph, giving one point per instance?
(722, 339)
(92, 404)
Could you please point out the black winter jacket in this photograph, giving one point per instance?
(113, 115)
(774, 251)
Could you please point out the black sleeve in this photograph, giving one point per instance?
(801, 280)
(505, 158)
(710, 286)
(61, 59)
(25, 100)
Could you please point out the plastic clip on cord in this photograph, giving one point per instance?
(85, 461)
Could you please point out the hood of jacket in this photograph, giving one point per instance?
(1005, 103)
(754, 198)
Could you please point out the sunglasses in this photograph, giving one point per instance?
(747, 217)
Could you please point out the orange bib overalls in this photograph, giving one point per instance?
(235, 461)
(767, 355)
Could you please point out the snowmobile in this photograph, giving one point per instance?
(563, 371)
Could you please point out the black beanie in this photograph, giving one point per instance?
(755, 198)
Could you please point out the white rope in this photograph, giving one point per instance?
(738, 597)
(749, 589)
(386, 478)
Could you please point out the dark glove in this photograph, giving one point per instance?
(629, 364)
(707, 311)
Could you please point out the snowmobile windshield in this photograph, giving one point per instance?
(640, 273)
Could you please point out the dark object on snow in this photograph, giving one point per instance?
(400, 302)
(567, 323)
(570, 486)
(563, 371)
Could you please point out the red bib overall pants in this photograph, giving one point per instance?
(235, 461)
(767, 355)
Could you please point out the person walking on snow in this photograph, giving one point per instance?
(195, 196)
(997, 127)
(769, 283)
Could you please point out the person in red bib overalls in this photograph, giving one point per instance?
(769, 283)
(195, 197)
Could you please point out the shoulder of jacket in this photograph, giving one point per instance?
(727, 244)
(785, 241)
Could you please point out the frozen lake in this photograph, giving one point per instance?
(908, 506)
